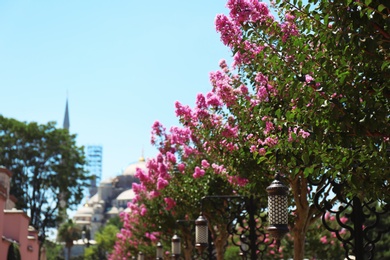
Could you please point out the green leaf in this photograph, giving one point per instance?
(305, 158)
(308, 171)
(381, 7)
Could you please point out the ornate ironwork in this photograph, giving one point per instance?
(245, 218)
(355, 222)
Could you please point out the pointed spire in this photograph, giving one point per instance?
(142, 159)
(66, 118)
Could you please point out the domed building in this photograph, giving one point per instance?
(111, 199)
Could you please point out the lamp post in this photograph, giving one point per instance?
(159, 251)
(176, 246)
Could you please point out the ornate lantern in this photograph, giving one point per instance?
(176, 247)
(277, 209)
(140, 256)
(159, 251)
(201, 233)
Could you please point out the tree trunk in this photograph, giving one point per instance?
(302, 220)
(220, 242)
(299, 244)
(69, 252)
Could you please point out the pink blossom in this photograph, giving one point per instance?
(229, 131)
(269, 126)
(262, 151)
(222, 64)
(161, 183)
(180, 135)
(171, 157)
(271, 141)
(183, 111)
(324, 240)
(181, 167)
(237, 180)
(205, 164)
(151, 236)
(170, 203)
(304, 134)
(248, 11)
(289, 17)
(198, 173)
(154, 194)
(218, 169)
(143, 211)
(138, 188)
(213, 100)
(142, 176)
(253, 148)
(343, 220)
(288, 29)
(308, 78)
(244, 89)
(201, 101)
(230, 32)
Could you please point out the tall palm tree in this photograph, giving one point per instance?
(68, 232)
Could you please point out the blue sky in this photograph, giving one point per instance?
(123, 64)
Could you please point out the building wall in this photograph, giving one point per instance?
(14, 226)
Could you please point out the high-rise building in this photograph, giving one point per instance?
(94, 166)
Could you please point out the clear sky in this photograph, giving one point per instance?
(123, 64)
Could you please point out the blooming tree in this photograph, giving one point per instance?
(306, 96)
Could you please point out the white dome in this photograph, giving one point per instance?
(84, 211)
(113, 211)
(132, 168)
(126, 195)
(93, 199)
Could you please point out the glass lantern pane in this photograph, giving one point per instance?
(201, 234)
(277, 209)
(176, 247)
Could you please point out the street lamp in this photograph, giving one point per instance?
(159, 251)
(201, 233)
(277, 209)
(141, 256)
(176, 246)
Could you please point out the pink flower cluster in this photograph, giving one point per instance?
(242, 11)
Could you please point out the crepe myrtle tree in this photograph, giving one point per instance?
(308, 92)
(170, 190)
(306, 96)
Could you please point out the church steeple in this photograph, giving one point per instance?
(66, 118)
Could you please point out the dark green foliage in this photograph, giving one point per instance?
(69, 232)
(47, 166)
(105, 240)
(13, 252)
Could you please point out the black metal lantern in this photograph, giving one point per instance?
(159, 251)
(176, 246)
(201, 233)
(140, 256)
(277, 209)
